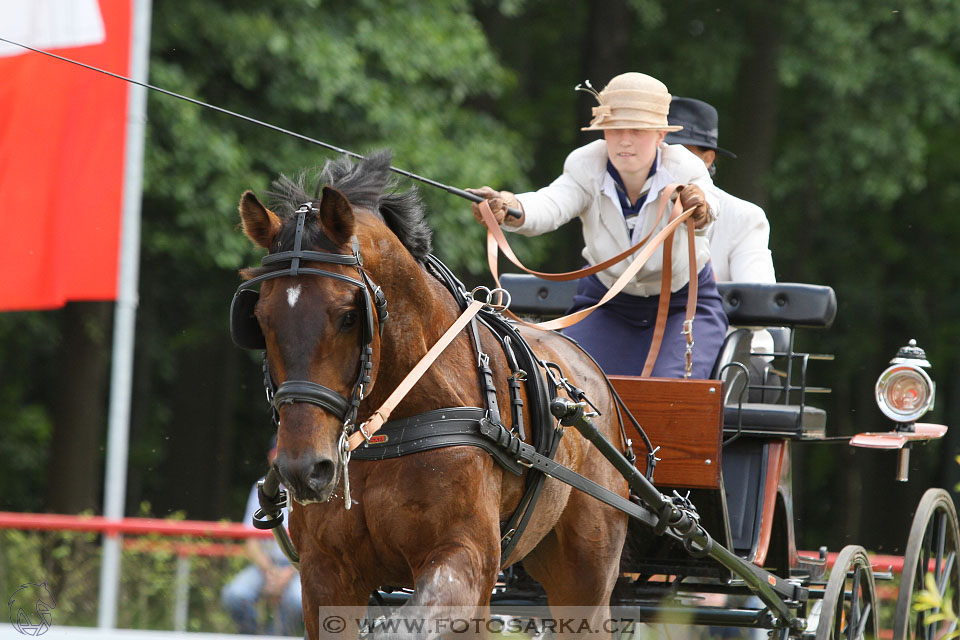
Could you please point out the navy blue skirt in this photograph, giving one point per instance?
(619, 333)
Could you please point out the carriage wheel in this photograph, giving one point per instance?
(931, 549)
(849, 608)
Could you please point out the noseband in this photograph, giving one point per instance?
(247, 333)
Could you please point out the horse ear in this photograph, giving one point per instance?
(259, 223)
(336, 216)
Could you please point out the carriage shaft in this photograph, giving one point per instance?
(682, 523)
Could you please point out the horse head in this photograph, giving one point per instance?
(320, 312)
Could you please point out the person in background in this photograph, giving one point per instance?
(740, 237)
(269, 576)
(613, 186)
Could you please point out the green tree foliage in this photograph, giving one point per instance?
(358, 75)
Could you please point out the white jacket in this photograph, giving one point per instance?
(739, 251)
(739, 242)
(586, 190)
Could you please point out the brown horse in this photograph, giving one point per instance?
(430, 520)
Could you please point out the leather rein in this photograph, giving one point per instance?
(496, 302)
(496, 240)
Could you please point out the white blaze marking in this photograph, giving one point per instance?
(293, 293)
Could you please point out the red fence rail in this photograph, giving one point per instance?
(233, 530)
(139, 526)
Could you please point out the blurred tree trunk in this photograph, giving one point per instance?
(753, 125)
(79, 408)
(605, 46)
(198, 463)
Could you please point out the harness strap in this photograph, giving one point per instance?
(663, 306)
(563, 474)
(305, 391)
(449, 427)
(248, 284)
(380, 416)
(272, 500)
(516, 406)
(524, 511)
(692, 285)
(316, 256)
(487, 386)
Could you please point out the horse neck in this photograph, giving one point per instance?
(421, 310)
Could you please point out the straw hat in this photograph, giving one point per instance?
(631, 101)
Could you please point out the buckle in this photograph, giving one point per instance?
(366, 437)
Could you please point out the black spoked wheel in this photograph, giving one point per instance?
(931, 550)
(849, 610)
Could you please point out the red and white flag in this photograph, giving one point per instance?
(62, 132)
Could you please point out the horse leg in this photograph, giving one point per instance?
(450, 541)
(451, 594)
(578, 563)
(335, 597)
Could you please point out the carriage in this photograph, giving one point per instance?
(689, 500)
(725, 443)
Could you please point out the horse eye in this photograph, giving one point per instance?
(348, 321)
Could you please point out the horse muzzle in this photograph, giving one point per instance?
(309, 478)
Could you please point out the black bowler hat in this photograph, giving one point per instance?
(699, 121)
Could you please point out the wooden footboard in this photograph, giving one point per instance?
(684, 419)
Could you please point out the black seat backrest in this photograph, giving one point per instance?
(778, 304)
(750, 304)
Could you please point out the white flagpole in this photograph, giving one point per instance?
(125, 315)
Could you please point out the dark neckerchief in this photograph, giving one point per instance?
(630, 209)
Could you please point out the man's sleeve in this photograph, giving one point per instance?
(750, 257)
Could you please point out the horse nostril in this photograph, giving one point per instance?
(322, 473)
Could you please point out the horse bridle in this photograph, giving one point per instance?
(247, 334)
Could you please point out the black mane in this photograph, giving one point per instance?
(366, 183)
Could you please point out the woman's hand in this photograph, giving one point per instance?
(692, 196)
(498, 201)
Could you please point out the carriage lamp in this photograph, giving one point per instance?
(904, 393)
(904, 390)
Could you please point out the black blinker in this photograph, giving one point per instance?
(244, 327)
